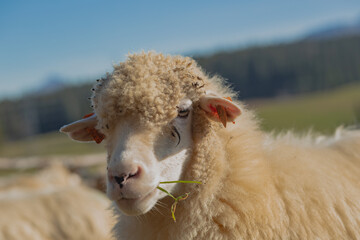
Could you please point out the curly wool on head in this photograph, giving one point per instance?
(150, 85)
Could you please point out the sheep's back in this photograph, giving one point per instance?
(318, 183)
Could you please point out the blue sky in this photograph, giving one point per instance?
(81, 39)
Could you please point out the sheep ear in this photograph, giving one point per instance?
(220, 109)
(83, 130)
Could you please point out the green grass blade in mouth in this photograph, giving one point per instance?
(161, 189)
(181, 181)
(177, 199)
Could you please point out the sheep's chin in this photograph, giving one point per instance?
(138, 206)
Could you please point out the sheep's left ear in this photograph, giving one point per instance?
(220, 109)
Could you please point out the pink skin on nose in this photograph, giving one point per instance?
(121, 179)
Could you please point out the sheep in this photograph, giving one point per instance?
(52, 204)
(164, 119)
(53, 176)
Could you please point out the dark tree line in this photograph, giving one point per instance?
(292, 68)
(40, 113)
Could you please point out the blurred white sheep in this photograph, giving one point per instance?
(52, 204)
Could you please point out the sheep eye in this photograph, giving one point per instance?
(183, 113)
(175, 133)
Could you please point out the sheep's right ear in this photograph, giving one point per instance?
(83, 130)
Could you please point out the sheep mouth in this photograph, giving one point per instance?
(140, 197)
(136, 206)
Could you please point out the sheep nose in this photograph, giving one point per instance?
(120, 180)
(123, 178)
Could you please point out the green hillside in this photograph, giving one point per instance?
(322, 111)
(54, 143)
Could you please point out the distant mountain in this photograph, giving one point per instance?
(51, 84)
(334, 31)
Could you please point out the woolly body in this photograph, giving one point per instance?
(52, 205)
(255, 186)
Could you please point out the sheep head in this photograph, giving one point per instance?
(145, 110)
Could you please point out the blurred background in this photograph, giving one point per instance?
(297, 63)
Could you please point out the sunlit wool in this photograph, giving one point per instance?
(256, 186)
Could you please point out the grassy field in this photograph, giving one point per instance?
(54, 143)
(322, 112)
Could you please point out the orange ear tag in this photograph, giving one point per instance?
(95, 134)
(229, 98)
(88, 115)
(220, 112)
(98, 137)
